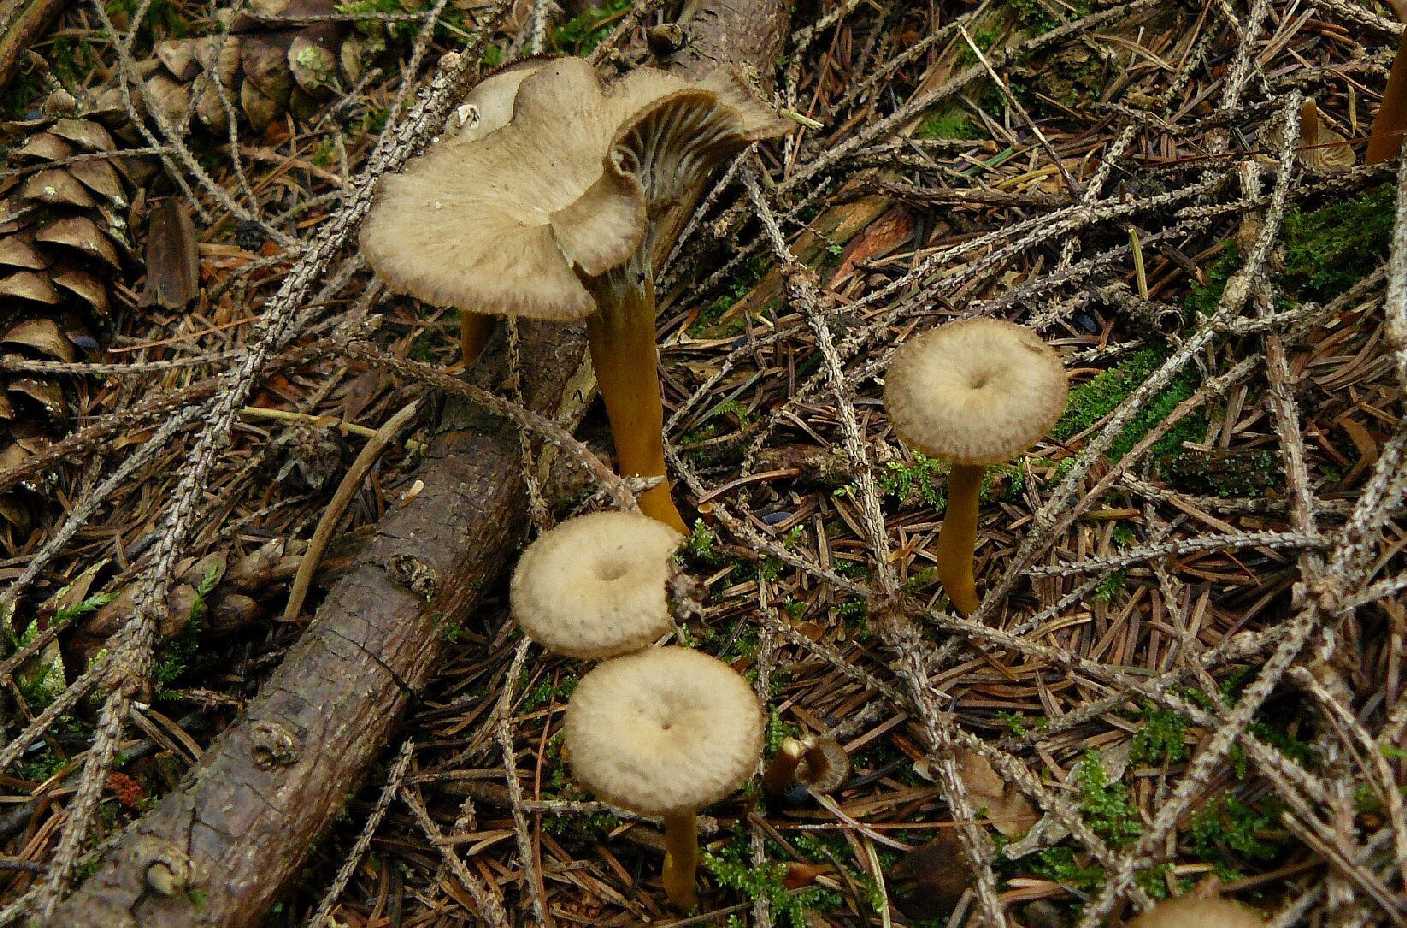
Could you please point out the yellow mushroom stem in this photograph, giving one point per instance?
(1309, 126)
(475, 330)
(781, 772)
(1388, 126)
(958, 537)
(622, 335)
(681, 859)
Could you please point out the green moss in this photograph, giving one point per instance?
(732, 867)
(1154, 880)
(950, 123)
(1284, 741)
(1037, 16)
(1090, 402)
(1201, 300)
(909, 483)
(1225, 473)
(581, 829)
(40, 767)
(1015, 722)
(853, 610)
(548, 692)
(177, 655)
(584, 32)
(777, 730)
(1110, 587)
(1160, 739)
(733, 408)
(707, 325)
(921, 580)
(1105, 805)
(984, 37)
(1329, 249)
(1232, 834)
(1060, 864)
(702, 547)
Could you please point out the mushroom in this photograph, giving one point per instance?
(488, 107)
(1321, 148)
(595, 586)
(974, 392)
(1385, 140)
(552, 216)
(1195, 912)
(665, 731)
(817, 765)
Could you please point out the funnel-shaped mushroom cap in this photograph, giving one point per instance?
(979, 391)
(663, 731)
(594, 586)
(1192, 912)
(503, 221)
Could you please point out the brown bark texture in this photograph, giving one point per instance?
(220, 850)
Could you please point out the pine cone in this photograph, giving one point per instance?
(63, 240)
(267, 66)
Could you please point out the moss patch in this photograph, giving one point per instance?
(584, 32)
(950, 123)
(1329, 249)
(1090, 402)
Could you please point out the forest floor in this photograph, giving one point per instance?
(1190, 653)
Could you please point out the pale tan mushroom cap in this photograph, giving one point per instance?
(503, 219)
(663, 731)
(1192, 912)
(595, 586)
(489, 106)
(979, 391)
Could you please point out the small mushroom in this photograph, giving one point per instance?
(1194, 912)
(595, 586)
(818, 765)
(975, 392)
(927, 882)
(1321, 148)
(665, 731)
(552, 217)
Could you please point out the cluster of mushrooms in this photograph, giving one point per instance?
(512, 214)
(659, 731)
(545, 199)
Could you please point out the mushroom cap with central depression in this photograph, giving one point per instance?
(506, 218)
(1193, 912)
(978, 391)
(664, 731)
(595, 586)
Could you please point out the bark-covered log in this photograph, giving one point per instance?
(221, 849)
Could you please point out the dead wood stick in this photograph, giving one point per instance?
(327, 523)
(239, 829)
